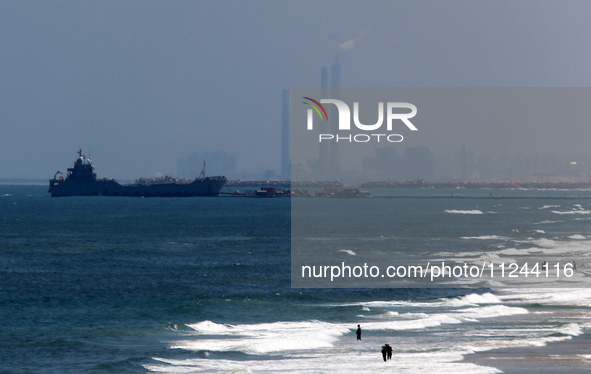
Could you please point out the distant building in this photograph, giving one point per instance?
(419, 163)
(385, 165)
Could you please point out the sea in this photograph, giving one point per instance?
(203, 285)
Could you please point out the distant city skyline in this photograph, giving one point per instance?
(139, 85)
(507, 133)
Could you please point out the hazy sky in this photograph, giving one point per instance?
(144, 83)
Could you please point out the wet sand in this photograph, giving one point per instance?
(572, 356)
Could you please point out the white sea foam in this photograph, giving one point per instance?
(310, 346)
(492, 258)
(361, 362)
(574, 211)
(485, 237)
(514, 251)
(388, 314)
(491, 311)
(576, 245)
(546, 222)
(549, 206)
(471, 299)
(553, 296)
(348, 251)
(428, 321)
(209, 327)
(486, 298)
(572, 329)
(407, 321)
(266, 337)
(474, 211)
(547, 243)
(534, 341)
(352, 357)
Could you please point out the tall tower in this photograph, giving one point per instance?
(463, 174)
(322, 168)
(285, 151)
(334, 163)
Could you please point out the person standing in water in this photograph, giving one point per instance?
(387, 352)
(358, 332)
(384, 351)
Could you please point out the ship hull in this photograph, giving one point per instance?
(209, 186)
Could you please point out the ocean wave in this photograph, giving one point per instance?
(533, 341)
(388, 314)
(474, 211)
(265, 338)
(580, 297)
(470, 299)
(572, 212)
(546, 222)
(514, 251)
(572, 329)
(443, 362)
(208, 327)
(413, 321)
(455, 315)
(299, 336)
(485, 237)
(485, 298)
(491, 311)
(493, 258)
(577, 209)
(305, 346)
(547, 243)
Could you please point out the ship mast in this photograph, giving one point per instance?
(202, 174)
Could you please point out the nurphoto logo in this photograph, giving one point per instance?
(394, 111)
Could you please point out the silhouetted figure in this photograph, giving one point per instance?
(384, 352)
(389, 351)
(575, 266)
(358, 332)
(544, 265)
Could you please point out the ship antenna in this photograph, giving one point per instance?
(202, 174)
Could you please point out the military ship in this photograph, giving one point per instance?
(81, 180)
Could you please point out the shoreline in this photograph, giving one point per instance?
(560, 185)
(568, 356)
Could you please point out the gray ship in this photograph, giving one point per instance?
(81, 180)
